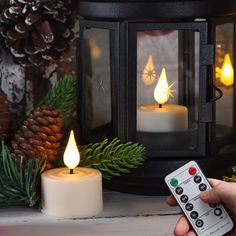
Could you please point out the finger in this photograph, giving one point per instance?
(170, 200)
(214, 182)
(182, 227)
(210, 196)
(221, 192)
(191, 233)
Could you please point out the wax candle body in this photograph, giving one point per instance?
(168, 118)
(77, 195)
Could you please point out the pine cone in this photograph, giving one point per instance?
(5, 117)
(37, 31)
(39, 136)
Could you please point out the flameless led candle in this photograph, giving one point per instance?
(72, 192)
(162, 117)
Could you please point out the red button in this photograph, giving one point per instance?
(192, 170)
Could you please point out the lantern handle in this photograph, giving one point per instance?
(220, 93)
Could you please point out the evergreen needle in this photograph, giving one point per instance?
(62, 96)
(18, 182)
(112, 158)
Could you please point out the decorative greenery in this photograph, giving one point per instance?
(18, 182)
(62, 96)
(112, 158)
(232, 178)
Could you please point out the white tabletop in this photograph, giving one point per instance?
(123, 215)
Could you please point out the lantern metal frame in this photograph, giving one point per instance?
(118, 18)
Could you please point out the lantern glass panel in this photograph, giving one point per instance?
(168, 89)
(224, 78)
(97, 84)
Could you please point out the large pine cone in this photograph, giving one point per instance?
(39, 136)
(5, 116)
(37, 31)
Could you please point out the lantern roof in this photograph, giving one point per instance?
(155, 9)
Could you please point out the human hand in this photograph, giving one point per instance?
(221, 192)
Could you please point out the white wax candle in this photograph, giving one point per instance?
(77, 195)
(168, 118)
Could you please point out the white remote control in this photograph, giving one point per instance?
(186, 183)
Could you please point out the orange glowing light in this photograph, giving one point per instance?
(71, 155)
(227, 72)
(149, 72)
(95, 49)
(163, 91)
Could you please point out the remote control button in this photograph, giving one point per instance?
(217, 211)
(212, 205)
(184, 198)
(192, 170)
(194, 215)
(189, 206)
(179, 190)
(197, 179)
(202, 187)
(174, 182)
(199, 223)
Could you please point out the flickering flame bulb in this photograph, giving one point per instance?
(71, 155)
(227, 72)
(149, 72)
(162, 90)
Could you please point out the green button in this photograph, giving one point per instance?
(174, 182)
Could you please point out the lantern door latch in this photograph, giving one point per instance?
(219, 92)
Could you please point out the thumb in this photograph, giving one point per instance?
(210, 196)
(219, 192)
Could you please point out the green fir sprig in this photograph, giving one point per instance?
(112, 158)
(62, 96)
(18, 182)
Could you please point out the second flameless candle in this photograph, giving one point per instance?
(168, 118)
(162, 117)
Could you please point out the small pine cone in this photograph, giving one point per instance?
(5, 117)
(37, 31)
(39, 136)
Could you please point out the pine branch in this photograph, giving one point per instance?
(62, 96)
(112, 158)
(18, 182)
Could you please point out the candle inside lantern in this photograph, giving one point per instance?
(72, 194)
(161, 117)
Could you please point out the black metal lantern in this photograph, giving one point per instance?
(160, 73)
